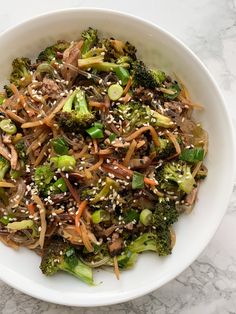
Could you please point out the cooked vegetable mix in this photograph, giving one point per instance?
(99, 156)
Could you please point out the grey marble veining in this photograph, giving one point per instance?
(208, 286)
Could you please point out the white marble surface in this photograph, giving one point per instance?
(208, 27)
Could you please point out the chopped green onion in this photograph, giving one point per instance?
(60, 146)
(20, 225)
(192, 154)
(112, 137)
(138, 180)
(131, 215)
(176, 91)
(100, 215)
(66, 163)
(8, 126)
(115, 91)
(5, 219)
(122, 74)
(98, 125)
(145, 217)
(60, 184)
(95, 132)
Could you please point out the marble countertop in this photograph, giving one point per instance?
(208, 27)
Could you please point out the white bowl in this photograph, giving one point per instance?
(157, 48)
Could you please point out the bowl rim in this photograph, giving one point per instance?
(8, 276)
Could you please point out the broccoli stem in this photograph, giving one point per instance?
(79, 270)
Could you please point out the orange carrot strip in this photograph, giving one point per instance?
(85, 238)
(127, 87)
(129, 153)
(31, 208)
(79, 213)
(143, 129)
(97, 165)
(116, 268)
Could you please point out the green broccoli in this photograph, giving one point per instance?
(118, 51)
(178, 172)
(50, 53)
(137, 114)
(158, 241)
(21, 150)
(166, 149)
(75, 114)
(164, 213)
(159, 76)
(20, 75)
(4, 167)
(90, 39)
(143, 76)
(61, 255)
(42, 177)
(8, 91)
(2, 98)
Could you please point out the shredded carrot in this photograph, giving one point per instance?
(14, 157)
(116, 268)
(31, 208)
(95, 144)
(81, 153)
(106, 151)
(196, 169)
(32, 124)
(127, 87)
(38, 142)
(143, 129)
(150, 181)
(42, 212)
(82, 206)
(97, 165)
(130, 173)
(173, 139)
(4, 184)
(15, 117)
(125, 99)
(96, 104)
(41, 155)
(129, 153)
(58, 107)
(85, 237)
(5, 153)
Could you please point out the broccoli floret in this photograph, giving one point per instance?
(42, 177)
(143, 76)
(166, 149)
(2, 98)
(118, 51)
(158, 241)
(61, 255)
(165, 214)
(21, 150)
(178, 172)
(4, 167)
(137, 114)
(90, 39)
(8, 91)
(20, 75)
(159, 76)
(49, 53)
(75, 115)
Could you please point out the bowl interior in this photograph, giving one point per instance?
(157, 48)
